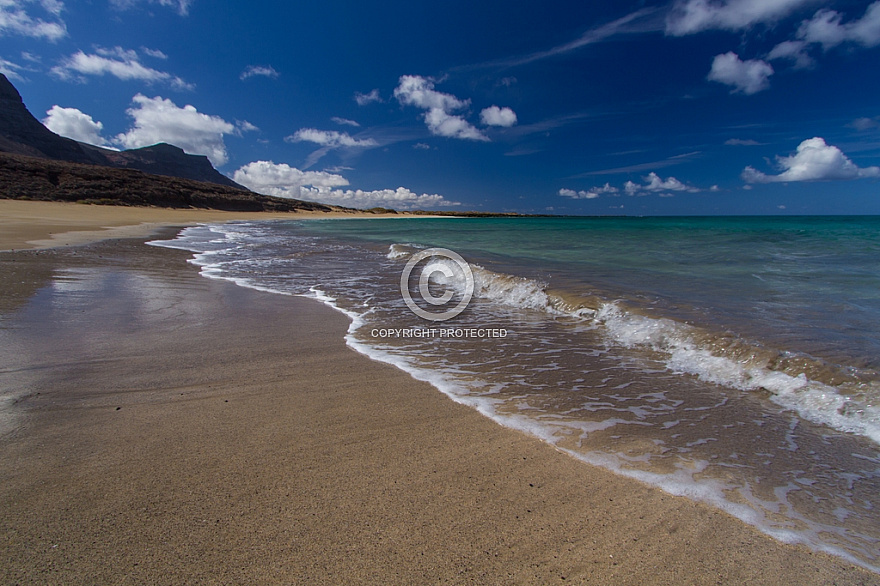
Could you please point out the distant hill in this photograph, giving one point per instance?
(22, 134)
(37, 164)
(24, 177)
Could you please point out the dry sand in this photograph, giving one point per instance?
(40, 224)
(163, 428)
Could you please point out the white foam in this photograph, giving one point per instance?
(399, 251)
(673, 340)
(511, 291)
(812, 400)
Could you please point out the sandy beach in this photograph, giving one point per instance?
(160, 427)
(39, 224)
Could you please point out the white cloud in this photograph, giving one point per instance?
(795, 51)
(400, 198)
(441, 123)
(592, 193)
(814, 161)
(748, 77)
(863, 124)
(121, 63)
(245, 126)
(181, 5)
(344, 121)
(641, 21)
(159, 120)
(693, 16)
(73, 123)
(655, 184)
(282, 180)
(10, 69)
(364, 99)
(825, 28)
(14, 19)
(258, 71)
(330, 138)
(495, 116)
(741, 142)
(414, 90)
(154, 53)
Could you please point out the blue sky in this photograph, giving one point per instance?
(638, 108)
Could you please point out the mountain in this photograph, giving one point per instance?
(169, 160)
(42, 179)
(37, 164)
(22, 134)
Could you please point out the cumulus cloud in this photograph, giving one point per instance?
(282, 180)
(330, 138)
(121, 63)
(182, 6)
(258, 71)
(73, 123)
(14, 19)
(400, 198)
(160, 120)
(495, 116)
(693, 16)
(814, 160)
(414, 90)
(344, 121)
(442, 123)
(747, 77)
(592, 193)
(370, 98)
(826, 28)
(655, 184)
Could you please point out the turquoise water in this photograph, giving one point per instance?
(730, 360)
(808, 283)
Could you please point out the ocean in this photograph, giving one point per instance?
(731, 360)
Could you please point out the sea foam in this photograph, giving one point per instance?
(685, 349)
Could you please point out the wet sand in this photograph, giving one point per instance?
(39, 224)
(159, 427)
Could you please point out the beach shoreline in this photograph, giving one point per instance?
(166, 428)
(41, 224)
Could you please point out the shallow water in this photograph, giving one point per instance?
(731, 360)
